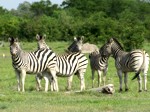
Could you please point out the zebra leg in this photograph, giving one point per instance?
(69, 82)
(18, 80)
(46, 83)
(53, 88)
(126, 81)
(48, 79)
(93, 72)
(146, 67)
(81, 77)
(104, 77)
(23, 76)
(55, 82)
(140, 82)
(99, 78)
(38, 81)
(145, 81)
(120, 79)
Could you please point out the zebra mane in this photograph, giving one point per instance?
(118, 43)
(41, 37)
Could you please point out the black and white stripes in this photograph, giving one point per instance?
(135, 61)
(69, 64)
(31, 62)
(97, 62)
(100, 64)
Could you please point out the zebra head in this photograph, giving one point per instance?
(14, 46)
(106, 50)
(76, 46)
(41, 42)
(110, 47)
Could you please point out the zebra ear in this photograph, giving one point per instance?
(75, 38)
(16, 40)
(44, 36)
(37, 37)
(110, 40)
(82, 37)
(11, 40)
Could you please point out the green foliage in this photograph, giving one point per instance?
(97, 20)
(9, 26)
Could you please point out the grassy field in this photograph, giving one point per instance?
(33, 101)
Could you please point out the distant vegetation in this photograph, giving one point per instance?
(97, 20)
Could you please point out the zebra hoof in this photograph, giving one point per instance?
(68, 89)
(126, 89)
(120, 90)
(140, 91)
(145, 90)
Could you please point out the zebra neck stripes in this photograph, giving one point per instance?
(116, 51)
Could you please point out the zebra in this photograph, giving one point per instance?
(100, 64)
(134, 61)
(39, 76)
(69, 64)
(79, 46)
(32, 62)
(97, 62)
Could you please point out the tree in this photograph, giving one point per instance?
(9, 26)
(23, 9)
(43, 7)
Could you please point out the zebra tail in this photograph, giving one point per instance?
(136, 75)
(89, 56)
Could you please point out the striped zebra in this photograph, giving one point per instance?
(78, 46)
(135, 61)
(39, 76)
(69, 64)
(100, 64)
(32, 62)
(97, 62)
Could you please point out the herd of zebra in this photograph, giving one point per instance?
(48, 65)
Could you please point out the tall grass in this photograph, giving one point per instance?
(87, 101)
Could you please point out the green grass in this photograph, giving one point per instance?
(33, 101)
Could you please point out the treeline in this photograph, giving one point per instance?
(97, 20)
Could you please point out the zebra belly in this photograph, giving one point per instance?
(66, 73)
(27, 71)
(67, 67)
(63, 75)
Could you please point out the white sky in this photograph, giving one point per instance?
(13, 4)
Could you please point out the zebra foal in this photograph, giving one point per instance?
(32, 62)
(100, 64)
(68, 64)
(135, 61)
